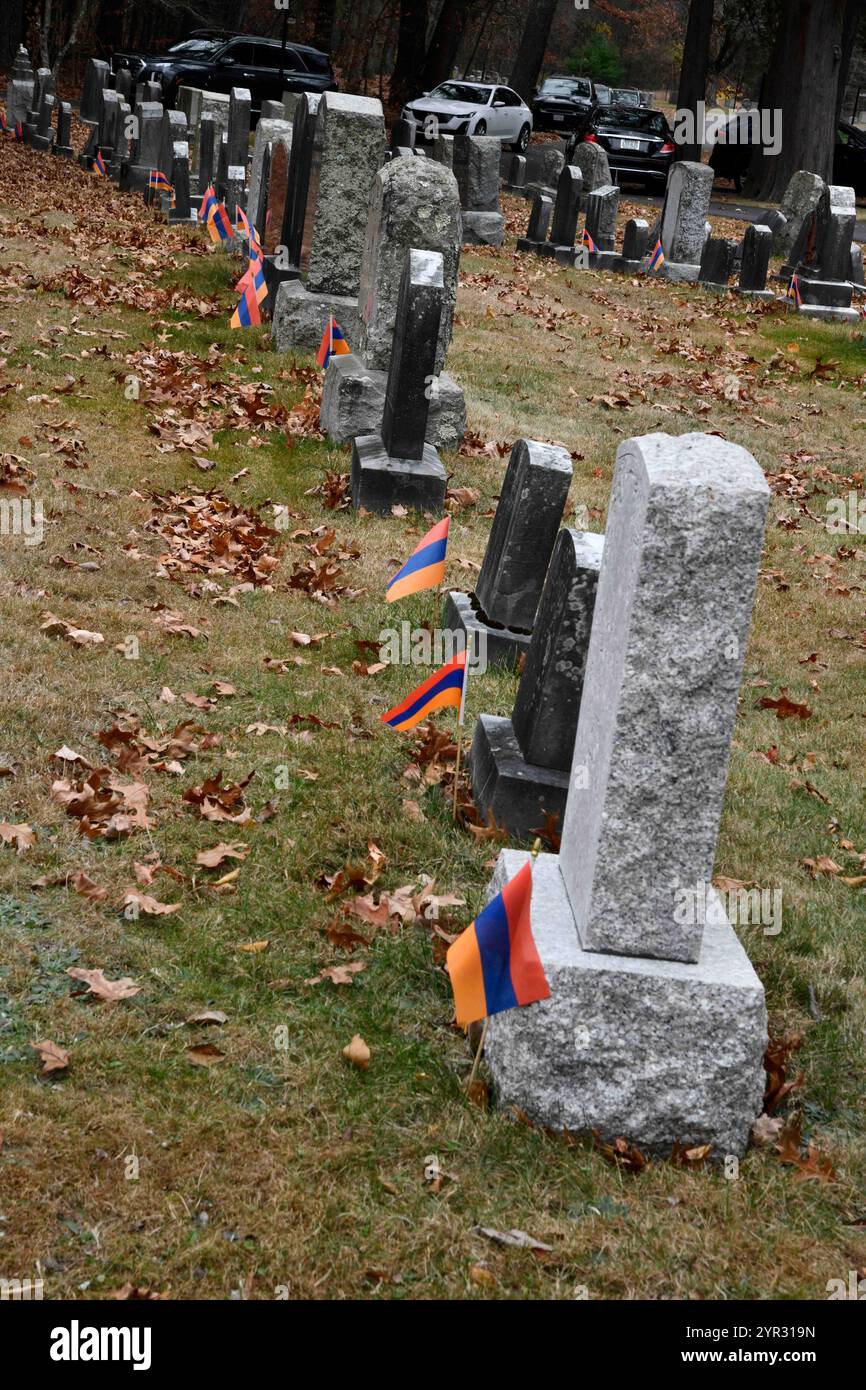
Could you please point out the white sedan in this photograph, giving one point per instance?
(472, 108)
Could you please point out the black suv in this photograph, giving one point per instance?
(563, 103)
(638, 142)
(217, 62)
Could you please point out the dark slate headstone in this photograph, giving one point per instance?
(181, 211)
(539, 221)
(258, 214)
(569, 190)
(717, 261)
(836, 220)
(397, 467)
(635, 240)
(516, 180)
(144, 155)
(404, 133)
(107, 118)
(174, 131)
(96, 76)
(240, 108)
(43, 138)
(123, 85)
(602, 206)
(121, 138)
(476, 169)
(523, 533)
(757, 245)
(520, 766)
(300, 162)
(207, 132)
(63, 143)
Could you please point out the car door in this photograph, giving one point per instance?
(234, 67)
(499, 118)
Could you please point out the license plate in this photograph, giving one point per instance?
(558, 118)
(629, 144)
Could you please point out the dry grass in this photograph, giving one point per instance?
(281, 1166)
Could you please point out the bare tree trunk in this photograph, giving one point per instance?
(801, 84)
(853, 15)
(44, 31)
(480, 35)
(81, 14)
(533, 45)
(411, 43)
(323, 30)
(445, 42)
(693, 73)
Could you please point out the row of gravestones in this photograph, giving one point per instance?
(656, 1026)
(813, 230)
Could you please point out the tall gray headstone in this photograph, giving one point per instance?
(96, 76)
(684, 214)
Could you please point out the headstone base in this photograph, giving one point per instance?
(830, 294)
(525, 243)
(380, 482)
(603, 260)
(41, 142)
(135, 178)
(65, 150)
(483, 228)
(712, 288)
(353, 401)
(656, 1052)
(519, 794)
(766, 295)
(623, 266)
(829, 312)
(274, 277)
(680, 272)
(300, 318)
(504, 646)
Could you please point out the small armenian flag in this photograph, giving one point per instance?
(219, 224)
(333, 342)
(657, 258)
(247, 314)
(794, 291)
(587, 241)
(99, 165)
(425, 568)
(494, 965)
(208, 203)
(444, 688)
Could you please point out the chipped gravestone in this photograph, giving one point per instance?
(821, 258)
(602, 206)
(566, 211)
(684, 219)
(476, 169)
(145, 154)
(63, 144)
(413, 204)
(348, 148)
(799, 201)
(592, 162)
(522, 537)
(546, 165)
(539, 221)
(397, 467)
(520, 766)
(755, 262)
(656, 1025)
(268, 131)
(717, 263)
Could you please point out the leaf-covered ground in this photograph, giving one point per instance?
(218, 870)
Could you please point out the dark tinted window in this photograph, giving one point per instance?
(627, 118)
(505, 95)
(242, 53)
(318, 63)
(566, 87)
(198, 48)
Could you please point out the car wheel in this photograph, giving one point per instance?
(522, 140)
(481, 128)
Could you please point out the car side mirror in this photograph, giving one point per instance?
(226, 61)
(425, 94)
(498, 103)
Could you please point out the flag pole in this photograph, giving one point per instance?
(477, 1059)
(460, 715)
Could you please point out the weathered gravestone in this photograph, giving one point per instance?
(287, 198)
(44, 136)
(174, 132)
(43, 86)
(63, 143)
(476, 169)
(821, 257)
(592, 162)
(145, 153)
(755, 261)
(397, 466)
(272, 111)
(233, 182)
(443, 150)
(566, 211)
(546, 165)
(684, 219)
(502, 608)
(655, 1028)
(520, 766)
(799, 201)
(122, 127)
(348, 149)
(539, 221)
(635, 244)
(208, 131)
(96, 78)
(717, 263)
(515, 179)
(602, 207)
(123, 85)
(180, 209)
(413, 204)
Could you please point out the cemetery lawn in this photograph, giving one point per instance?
(277, 1165)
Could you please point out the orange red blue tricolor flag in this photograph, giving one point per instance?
(443, 688)
(333, 343)
(658, 256)
(208, 203)
(219, 224)
(587, 241)
(425, 567)
(99, 164)
(247, 314)
(494, 965)
(794, 291)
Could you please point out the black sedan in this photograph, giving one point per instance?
(732, 154)
(217, 63)
(638, 143)
(562, 103)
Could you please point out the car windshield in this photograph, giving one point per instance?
(622, 118)
(204, 47)
(625, 97)
(462, 91)
(565, 87)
